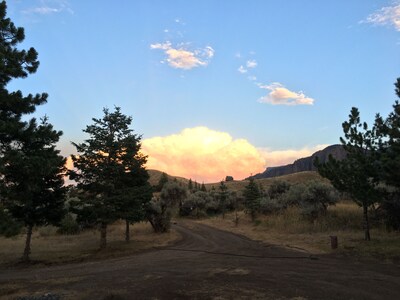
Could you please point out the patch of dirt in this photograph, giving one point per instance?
(209, 264)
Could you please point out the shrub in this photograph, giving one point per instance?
(277, 188)
(8, 226)
(268, 205)
(195, 204)
(68, 225)
(390, 211)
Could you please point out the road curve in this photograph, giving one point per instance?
(210, 264)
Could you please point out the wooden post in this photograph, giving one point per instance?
(334, 241)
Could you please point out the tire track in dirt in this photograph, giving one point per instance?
(210, 264)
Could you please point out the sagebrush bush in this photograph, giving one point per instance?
(68, 225)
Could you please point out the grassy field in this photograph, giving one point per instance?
(290, 229)
(48, 247)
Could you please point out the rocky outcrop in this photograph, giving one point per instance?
(304, 164)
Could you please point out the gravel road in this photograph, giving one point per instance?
(209, 264)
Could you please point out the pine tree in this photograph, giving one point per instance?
(31, 182)
(110, 173)
(357, 174)
(190, 185)
(223, 197)
(203, 187)
(32, 179)
(252, 198)
(14, 63)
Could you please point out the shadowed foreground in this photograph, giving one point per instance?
(209, 264)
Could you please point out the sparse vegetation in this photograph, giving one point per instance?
(54, 248)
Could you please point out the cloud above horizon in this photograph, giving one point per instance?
(208, 155)
(280, 95)
(182, 57)
(386, 16)
(203, 154)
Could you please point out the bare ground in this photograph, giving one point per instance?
(209, 264)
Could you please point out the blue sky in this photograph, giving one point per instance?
(258, 81)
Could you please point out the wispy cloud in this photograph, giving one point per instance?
(279, 95)
(386, 16)
(242, 70)
(183, 57)
(250, 64)
(47, 7)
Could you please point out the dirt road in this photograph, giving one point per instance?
(210, 264)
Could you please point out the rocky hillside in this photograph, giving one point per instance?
(304, 164)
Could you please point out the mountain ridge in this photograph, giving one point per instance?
(305, 163)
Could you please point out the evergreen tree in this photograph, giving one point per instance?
(190, 185)
(203, 187)
(389, 158)
(14, 63)
(223, 197)
(32, 183)
(252, 198)
(110, 173)
(357, 175)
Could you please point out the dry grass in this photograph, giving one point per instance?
(156, 175)
(51, 248)
(290, 229)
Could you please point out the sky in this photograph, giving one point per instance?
(215, 88)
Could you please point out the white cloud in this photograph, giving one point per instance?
(252, 78)
(279, 95)
(181, 57)
(242, 70)
(203, 154)
(251, 64)
(389, 16)
(47, 7)
(208, 155)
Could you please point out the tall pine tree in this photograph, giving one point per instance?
(109, 170)
(31, 182)
(14, 63)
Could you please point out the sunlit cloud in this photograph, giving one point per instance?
(386, 16)
(203, 154)
(279, 95)
(47, 7)
(251, 64)
(275, 158)
(182, 57)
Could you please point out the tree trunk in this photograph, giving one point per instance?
(27, 251)
(127, 233)
(367, 236)
(103, 235)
